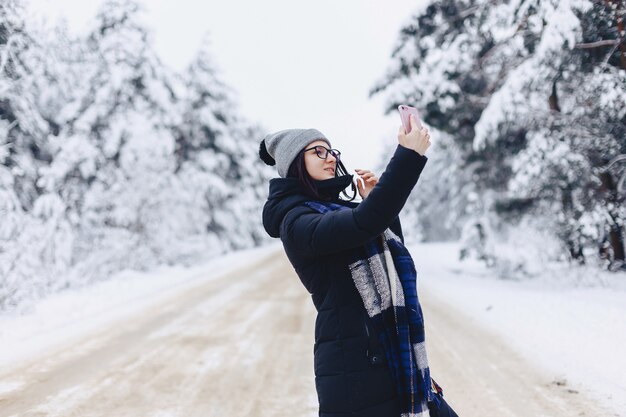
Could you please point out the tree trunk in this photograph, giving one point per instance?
(619, 11)
(616, 235)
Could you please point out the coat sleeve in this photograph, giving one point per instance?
(325, 233)
(396, 227)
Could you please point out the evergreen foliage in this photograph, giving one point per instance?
(528, 99)
(109, 160)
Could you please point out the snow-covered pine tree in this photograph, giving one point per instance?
(23, 143)
(431, 70)
(35, 236)
(99, 169)
(13, 40)
(115, 160)
(216, 152)
(532, 94)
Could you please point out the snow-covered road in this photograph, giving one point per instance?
(240, 343)
(483, 377)
(237, 345)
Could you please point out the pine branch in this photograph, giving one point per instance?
(598, 44)
(615, 160)
(5, 54)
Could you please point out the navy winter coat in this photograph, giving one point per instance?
(351, 376)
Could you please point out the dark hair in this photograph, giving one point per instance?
(297, 169)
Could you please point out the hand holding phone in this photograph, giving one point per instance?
(405, 112)
(412, 135)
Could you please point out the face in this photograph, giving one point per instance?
(318, 168)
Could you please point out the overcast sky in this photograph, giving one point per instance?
(293, 64)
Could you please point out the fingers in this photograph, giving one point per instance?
(363, 176)
(413, 122)
(364, 173)
(360, 180)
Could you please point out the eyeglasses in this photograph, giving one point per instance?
(322, 151)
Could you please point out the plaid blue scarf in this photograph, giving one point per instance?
(385, 276)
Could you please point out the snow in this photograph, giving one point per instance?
(566, 322)
(523, 123)
(130, 157)
(70, 314)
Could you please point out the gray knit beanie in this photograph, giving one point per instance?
(282, 147)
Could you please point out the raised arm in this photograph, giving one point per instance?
(320, 234)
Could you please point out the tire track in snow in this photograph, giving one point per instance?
(242, 345)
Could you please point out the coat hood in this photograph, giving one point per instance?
(287, 193)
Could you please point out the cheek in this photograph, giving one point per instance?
(307, 163)
(312, 164)
(314, 167)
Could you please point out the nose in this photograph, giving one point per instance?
(330, 157)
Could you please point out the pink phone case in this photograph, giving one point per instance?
(405, 111)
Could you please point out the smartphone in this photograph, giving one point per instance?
(405, 111)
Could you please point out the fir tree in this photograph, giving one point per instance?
(218, 149)
(532, 94)
(35, 236)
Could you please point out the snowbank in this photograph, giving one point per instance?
(566, 321)
(70, 314)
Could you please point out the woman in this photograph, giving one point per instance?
(360, 360)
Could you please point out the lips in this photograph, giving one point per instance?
(330, 170)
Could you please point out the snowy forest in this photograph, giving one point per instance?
(110, 160)
(528, 98)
